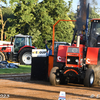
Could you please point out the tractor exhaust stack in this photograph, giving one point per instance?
(78, 41)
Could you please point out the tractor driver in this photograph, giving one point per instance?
(82, 40)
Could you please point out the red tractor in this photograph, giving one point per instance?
(18, 51)
(81, 60)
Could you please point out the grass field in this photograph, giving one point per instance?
(21, 69)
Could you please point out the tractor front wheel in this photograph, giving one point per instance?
(89, 78)
(25, 56)
(2, 57)
(53, 76)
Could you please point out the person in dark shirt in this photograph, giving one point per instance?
(49, 50)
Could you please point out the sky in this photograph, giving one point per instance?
(74, 4)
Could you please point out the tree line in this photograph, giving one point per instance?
(30, 17)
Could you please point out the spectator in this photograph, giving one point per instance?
(49, 50)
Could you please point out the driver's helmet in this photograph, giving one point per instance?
(81, 36)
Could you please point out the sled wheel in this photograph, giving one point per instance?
(25, 56)
(89, 78)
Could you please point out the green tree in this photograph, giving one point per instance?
(23, 16)
(3, 23)
(7, 13)
(94, 9)
(94, 14)
(72, 15)
(47, 13)
(37, 19)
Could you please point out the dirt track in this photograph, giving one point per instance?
(37, 90)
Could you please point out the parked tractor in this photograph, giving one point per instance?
(19, 50)
(81, 60)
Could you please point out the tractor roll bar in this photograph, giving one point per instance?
(53, 37)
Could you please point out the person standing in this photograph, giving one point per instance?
(49, 50)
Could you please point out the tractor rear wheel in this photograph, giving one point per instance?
(2, 57)
(53, 76)
(96, 69)
(89, 78)
(25, 56)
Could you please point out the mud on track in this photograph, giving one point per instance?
(38, 90)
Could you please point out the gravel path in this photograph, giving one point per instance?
(38, 90)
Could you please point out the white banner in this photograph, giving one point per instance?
(39, 52)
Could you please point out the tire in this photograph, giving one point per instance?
(2, 57)
(25, 56)
(53, 79)
(89, 78)
(96, 69)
